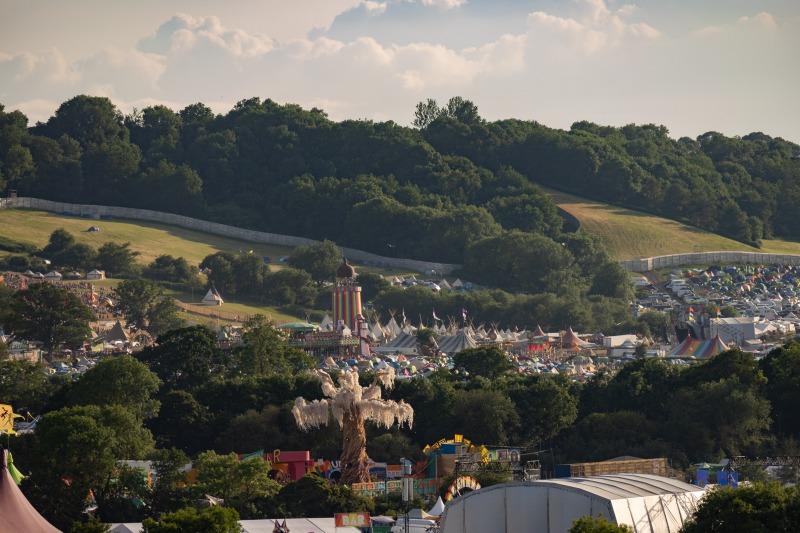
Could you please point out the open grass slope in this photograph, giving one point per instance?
(150, 239)
(630, 234)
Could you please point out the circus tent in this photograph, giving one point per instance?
(697, 349)
(571, 340)
(453, 344)
(16, 512)
(538, 332)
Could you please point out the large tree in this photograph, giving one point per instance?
(117, 259)
(51, 315)
(320, 260)
(77, 450)
(243, 484)
(351, 405)
(264, 350)
(487, 361)
(756, 507)
(184, 357)
(122, 381)
(144, 306)
(24, 385)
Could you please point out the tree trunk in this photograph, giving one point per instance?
(354, 460)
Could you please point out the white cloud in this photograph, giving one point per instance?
(761, 20)
(183, 33)
(597, 29)
(555, 62)
(447, 4)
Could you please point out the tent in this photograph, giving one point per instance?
(571, 340)
(697, 349)
(403, 343)
(438, 508)
(538, 332)
(212, 297)
(16, 512)
(455, 343)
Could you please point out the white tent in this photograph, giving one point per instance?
(212, 297)
(645, 502)
(438, 508)
(96, 274)
(326, 324)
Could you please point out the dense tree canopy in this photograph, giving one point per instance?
(51, 315)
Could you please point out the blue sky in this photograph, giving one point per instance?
(693, 66)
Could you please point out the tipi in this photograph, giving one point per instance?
(212, 297)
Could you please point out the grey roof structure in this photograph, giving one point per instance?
(453, 344)
(647, 503)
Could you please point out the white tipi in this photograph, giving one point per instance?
(212, 297)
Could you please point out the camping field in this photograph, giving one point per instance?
(630, 234)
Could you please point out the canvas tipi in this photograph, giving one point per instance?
(212, 297)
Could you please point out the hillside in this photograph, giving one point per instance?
(150, 239)
(630, 234)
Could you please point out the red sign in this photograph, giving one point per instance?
(352, 519)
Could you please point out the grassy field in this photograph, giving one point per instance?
(150, 239)
(632, 234)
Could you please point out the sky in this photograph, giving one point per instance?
(694, 66)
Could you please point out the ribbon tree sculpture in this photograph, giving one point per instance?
(351, 405)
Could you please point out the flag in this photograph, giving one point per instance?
(16, 475)
(404, 315)
(7, 419)
(434, 315)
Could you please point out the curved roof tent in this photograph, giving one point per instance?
(647, 503)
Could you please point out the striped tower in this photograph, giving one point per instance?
(346, 303)
(346, 297)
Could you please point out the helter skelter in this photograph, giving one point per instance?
(351, 405)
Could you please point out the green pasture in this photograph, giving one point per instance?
(630, 234)
(149, 238)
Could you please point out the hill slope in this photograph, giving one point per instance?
(148, 238)
(630, 234)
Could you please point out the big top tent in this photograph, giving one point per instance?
(697, 349)
(16, 512)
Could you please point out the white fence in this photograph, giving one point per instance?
(100, 211)
(708, 258)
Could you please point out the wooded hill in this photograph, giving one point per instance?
(427, 192)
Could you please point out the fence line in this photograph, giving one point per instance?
(97, 212)
(708, 258)
(632, 265)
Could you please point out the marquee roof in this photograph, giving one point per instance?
(647, 503)
(698, 349)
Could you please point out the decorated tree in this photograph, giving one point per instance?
(351, 405)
